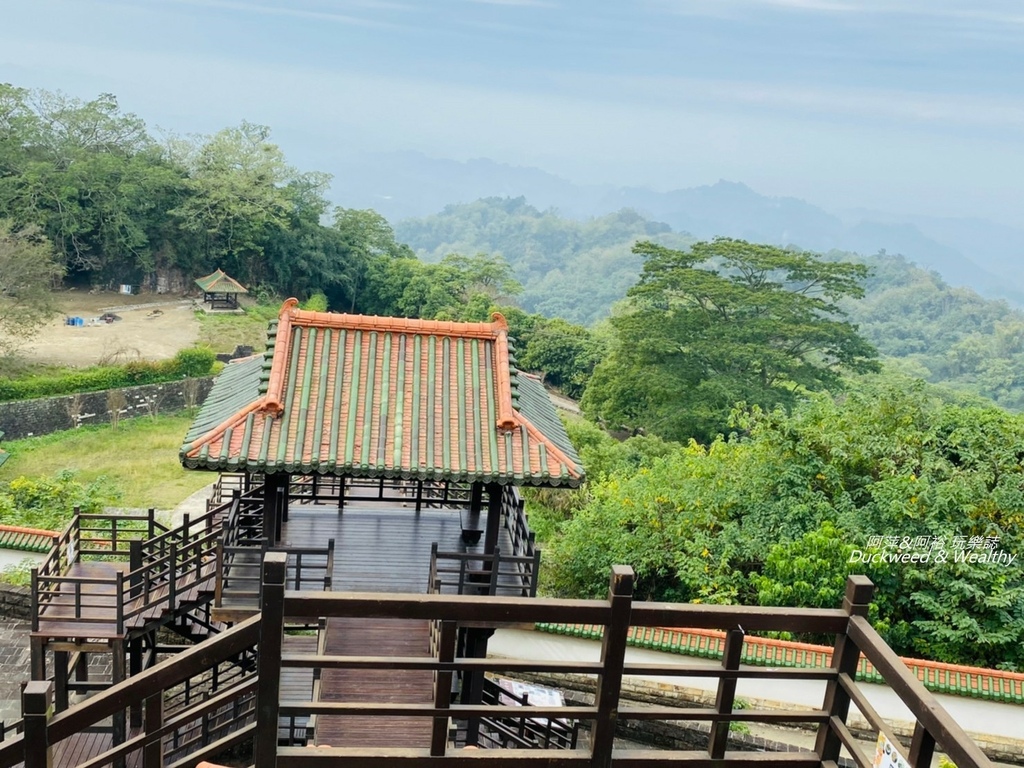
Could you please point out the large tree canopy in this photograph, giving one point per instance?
(726, 321)
(28, 270)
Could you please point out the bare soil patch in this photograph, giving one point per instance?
(151, 328)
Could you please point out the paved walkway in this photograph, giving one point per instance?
(990, 721)
(14, 666)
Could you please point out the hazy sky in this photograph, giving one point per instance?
(909, 106)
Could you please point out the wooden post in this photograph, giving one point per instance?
(271, 483)
(135, 567)
(474, 647)
(283, 517)
(281, 511)
(135, 668)
(153, 752)
(118, 722)
(60, 680)
(493, 518)
(443, 688)
(613, 655)
(922, 747)
(845, 658)
(726, 696)
(36, 709)
(271, 639)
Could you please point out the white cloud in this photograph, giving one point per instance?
(290, 10)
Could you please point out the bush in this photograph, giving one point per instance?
(316, 303)
(195, 361)
(49, 502)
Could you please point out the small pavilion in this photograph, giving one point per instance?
(220, 290)
(377, 398)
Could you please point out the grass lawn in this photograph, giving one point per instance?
(140, 457)
(222, 333)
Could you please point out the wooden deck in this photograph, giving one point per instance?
(379, 547)
(382, 637)
(93, 613)
(85, 745)
(95, 607)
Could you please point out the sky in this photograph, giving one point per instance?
(902, 106)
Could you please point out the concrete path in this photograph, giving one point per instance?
(989, 721)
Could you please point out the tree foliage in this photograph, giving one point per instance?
(725, 322)
(773, 516)
(28, 272)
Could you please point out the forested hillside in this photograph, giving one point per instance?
(570, 269)
(579, 269)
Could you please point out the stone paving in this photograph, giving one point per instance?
(14, 666)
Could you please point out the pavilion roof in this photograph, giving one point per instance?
(383, 397)
(220, 282)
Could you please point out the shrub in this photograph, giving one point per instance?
(194, 361)
(316, 303)
(49, 502)
(191, 362)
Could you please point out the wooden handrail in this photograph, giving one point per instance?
(921, 703)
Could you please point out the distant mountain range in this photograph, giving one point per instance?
(981, 254)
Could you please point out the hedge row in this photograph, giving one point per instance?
(195, 361)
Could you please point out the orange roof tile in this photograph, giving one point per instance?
(382, 396)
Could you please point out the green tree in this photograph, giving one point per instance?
(28, 270)
(239, 195)
(725, 322)
(566, 353)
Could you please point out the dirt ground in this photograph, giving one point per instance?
(151, 328)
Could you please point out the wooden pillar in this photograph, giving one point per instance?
(726, 697)
(119, 729)
(613, 656)
(286, 502)
(60, 679)
(37, 651)
(474, 647)
(493, 518)
(36, 709)
(845, 658)
(135, 668)
(271, 639)
(272, 487)
(443, 688)
(153, 752)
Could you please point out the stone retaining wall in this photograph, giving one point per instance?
(29, 418)
(15, 602)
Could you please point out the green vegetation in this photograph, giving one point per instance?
(772, 456)
(224, 332)
(773, 515)
(28, 269)
(140, 459)
(190, 362)
(920, 325)
(47, 502)
(725, 322)
(547, 253)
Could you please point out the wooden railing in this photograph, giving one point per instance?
(616, 615)
(513, 515)
(198, 723)
(164, 566)
(468, 573)
(524, 731)
(169, 735)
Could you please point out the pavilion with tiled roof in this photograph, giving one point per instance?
(220, 290)
(356, 396)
